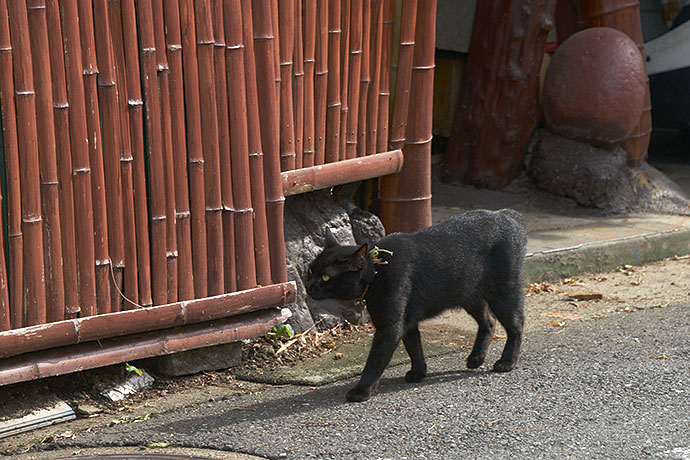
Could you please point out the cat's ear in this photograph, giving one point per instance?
(358, 258)
(330, 239)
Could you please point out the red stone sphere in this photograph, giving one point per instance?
(594, 87)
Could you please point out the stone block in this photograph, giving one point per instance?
(189, 362)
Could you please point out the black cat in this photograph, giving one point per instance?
(474, 260)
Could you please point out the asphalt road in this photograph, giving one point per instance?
(616, 387)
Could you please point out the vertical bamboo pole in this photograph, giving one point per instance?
(110, 132)
(404, 73)
(154, 153)
(275, 24)
(126, 160)
(185, 270)
(52, 235)
(256, 156)
(100, 220)
(32, 219)
(14, 205)
(298, 85)
(226, 166)
(365, 79)
(265, 52)
(5, 323)
(64, 160)
(309, 65)
(355, 73)
(286, 15)
(136, 116)
(163, 75)
(344, 75)
(241, 187)
(209, 120)
(321, 83)
(375, 71)
(384, 77)
(194, 148)
(406, 196)
(333, 94)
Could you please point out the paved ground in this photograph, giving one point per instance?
(612, 388)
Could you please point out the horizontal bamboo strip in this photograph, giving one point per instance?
(342, 172)
(98, 327)
(117, 350)
(32, 218)
(64, 159)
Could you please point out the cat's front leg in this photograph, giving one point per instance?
(385, 342)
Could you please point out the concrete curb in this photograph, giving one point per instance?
(604, 256)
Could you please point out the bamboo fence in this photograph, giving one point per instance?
(148, 147)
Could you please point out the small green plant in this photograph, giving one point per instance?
(283, 330)
(129, 368)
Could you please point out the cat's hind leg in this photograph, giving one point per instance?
(508, 307)
(485, 334)
(413, 345)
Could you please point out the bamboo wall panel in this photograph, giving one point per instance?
(148, 145)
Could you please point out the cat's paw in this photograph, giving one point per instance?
(358, 395)
(503, 366)
(414, 376)
(474, 361)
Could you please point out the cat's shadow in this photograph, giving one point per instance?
(308, 403)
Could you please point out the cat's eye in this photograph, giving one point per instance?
(325, 277)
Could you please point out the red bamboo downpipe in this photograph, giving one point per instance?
(93, 126)
(122, 349)
(71, 306)
(406, 197)
(308, 144)
(14, 318)
(239, 143)
(163, 75)
(179, 151)
(126, 160)
(321, 84)
(256, 156)
(264, 46)
(333, 93)
(194, 148)
(344, 75)
(298, 84)
(117, 324)
(375, 72)
(110, 132)
(286, 44)
(355, 74)
(209, 139)
(52, 235)
(365, 80)
(226, 166)
(32, 218)
(385, 77)
(136, 116)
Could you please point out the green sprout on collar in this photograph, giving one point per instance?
(375, 255)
